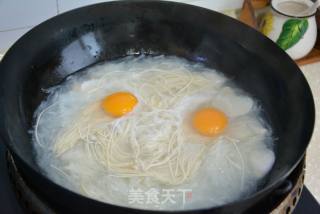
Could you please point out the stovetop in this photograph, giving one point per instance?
(10, 205)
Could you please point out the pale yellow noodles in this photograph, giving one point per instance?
(82, 148)
(127, 146)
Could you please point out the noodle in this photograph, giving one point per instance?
(154, 145)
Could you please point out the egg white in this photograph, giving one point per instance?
(166, 87)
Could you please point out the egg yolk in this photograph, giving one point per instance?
(119, 103)
(209, 121)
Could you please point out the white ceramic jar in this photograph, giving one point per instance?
(293, 32)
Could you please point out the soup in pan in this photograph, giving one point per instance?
(153, 133)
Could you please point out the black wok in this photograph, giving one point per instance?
(103, 32)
